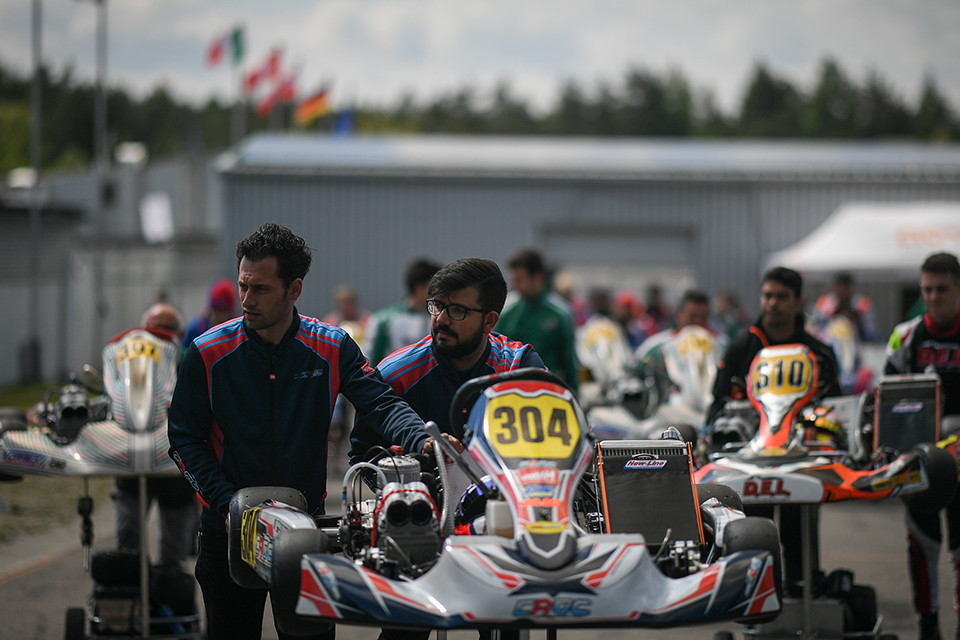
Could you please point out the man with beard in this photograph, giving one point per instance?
(466, 298)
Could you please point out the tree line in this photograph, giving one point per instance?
(642, 104)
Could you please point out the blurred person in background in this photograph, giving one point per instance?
(405, 321)
(841, 300)
(221, 306)
(932, 340)
(536, 318)
(352, 318)
(566, 286)
(729, 317)
(627, 311)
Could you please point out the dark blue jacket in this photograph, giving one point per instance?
(428, 382)
(246, 413)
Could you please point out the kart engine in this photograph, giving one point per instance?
(399, 531)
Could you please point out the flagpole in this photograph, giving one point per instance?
(100, 161)
(238, 117)
(31, 367)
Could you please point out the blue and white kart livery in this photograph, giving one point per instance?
(546, 557)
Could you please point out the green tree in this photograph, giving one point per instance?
(934, 120)
(834, 106)
(570, 116)
(507, 115)
(771, 107)
(881, 114)
(654, 107)
(15, 134)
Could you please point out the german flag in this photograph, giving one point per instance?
(309, 109)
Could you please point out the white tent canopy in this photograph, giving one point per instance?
(876, 240)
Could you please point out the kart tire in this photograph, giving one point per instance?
(12, 419)
(241, 572)
(74, 629)
(289, 547)
(860, 609)
(941, 468)
(751, 534)
(688, 432)
(724, 494)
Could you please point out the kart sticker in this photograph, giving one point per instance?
(541, 427)
(248, 535)
(138, 346)
(782, 372)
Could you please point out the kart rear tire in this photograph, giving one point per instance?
(860, 609)
(941, 468)
(724, 494)
(288, 548)
(75, 626)
(12, 419)
(751, 534)
(242, 573)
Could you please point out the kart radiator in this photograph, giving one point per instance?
(648, 488)
(907, 411)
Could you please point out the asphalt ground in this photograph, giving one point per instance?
(41, 575)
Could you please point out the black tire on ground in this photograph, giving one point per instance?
(242, 573)
(726, 495)
(75, 628)
(941, 468)
(860, 612)
(288, 548)
(752, 534)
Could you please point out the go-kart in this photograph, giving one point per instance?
(784, 445)
(114, 424)
(677, 371)
(561, 532)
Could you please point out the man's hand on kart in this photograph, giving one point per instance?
(428, 446)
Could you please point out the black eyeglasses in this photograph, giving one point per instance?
(454, 311)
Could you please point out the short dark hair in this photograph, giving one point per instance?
(787, 277)
(844, 277)
(419, 272)
(942, 263)
(529, 259)
(481, 274)
(695, 296)
(276, 241)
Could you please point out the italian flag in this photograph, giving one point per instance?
(219, 48)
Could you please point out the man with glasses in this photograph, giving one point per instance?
(466, 298)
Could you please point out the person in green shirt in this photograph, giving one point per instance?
(539, 317)
(405, 321)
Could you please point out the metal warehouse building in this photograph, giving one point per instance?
(616, 213)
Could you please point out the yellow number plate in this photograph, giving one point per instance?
(782, 373)
(543, 427)
(138, 347)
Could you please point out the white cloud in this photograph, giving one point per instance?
(375, 50)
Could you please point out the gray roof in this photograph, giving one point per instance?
(591, 158)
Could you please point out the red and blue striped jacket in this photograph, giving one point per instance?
(246, 413)
(428, 382)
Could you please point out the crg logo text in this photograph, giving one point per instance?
(553, 608)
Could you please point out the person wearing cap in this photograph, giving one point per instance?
(222, 306)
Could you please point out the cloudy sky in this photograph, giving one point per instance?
(374, 51)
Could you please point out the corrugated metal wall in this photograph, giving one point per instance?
(365, 229)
